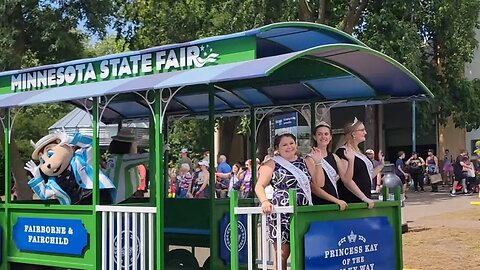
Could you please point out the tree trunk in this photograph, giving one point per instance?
(354, 11)
(305, 12)
(322, 7)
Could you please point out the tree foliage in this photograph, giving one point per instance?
(39, 32)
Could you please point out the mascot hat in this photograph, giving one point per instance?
(125, 135)
(46, 140)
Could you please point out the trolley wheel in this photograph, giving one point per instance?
(206, 264)
(181, 259)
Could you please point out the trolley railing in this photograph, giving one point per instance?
(264, 247)
(127, 237)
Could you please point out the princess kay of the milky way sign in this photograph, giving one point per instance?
(355, 244)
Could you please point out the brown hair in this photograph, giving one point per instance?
(314, 142)
(276, 142)
(348, 130)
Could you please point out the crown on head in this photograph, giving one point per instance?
(355, 121)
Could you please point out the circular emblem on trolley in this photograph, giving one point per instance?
(242, 236)
(131, 245)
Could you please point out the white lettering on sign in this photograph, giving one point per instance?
(353, 258)
(32, 230)
(120, 67)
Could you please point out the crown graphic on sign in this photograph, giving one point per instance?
(352, 237)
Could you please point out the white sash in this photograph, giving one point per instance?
(301, 177)
(331, 173)
(367, 162)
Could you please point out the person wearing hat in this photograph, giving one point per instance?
(200, 184)
(377, 179)
(122, 164)
(65, 173)
(184, 159)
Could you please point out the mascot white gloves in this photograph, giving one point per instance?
(65, 171)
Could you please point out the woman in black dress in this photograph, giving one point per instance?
(363, 170)
(333, 168)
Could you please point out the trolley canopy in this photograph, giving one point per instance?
(293, 63)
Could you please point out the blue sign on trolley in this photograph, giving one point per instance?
(225, 238)
(64, 236)
(354, 244)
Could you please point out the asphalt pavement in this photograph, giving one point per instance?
(419, 206)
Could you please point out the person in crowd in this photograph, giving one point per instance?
(377, 179)
(415, 168)
(199, 188)
(363, 170)
(184, 182)
(222, 176)
(400, 170)
(460, 173)
(184, 159)
(172, 183)
(447, 168)
(471, 177)
(236, 178)
(142, 188)
(206, 156)
(122, 163)
(284, 172)
(432, 167)
(333, 169)
(247, 179)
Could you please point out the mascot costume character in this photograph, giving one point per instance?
(65, 171)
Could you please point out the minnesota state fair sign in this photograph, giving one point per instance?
(355, 244)
(131, 64)
(63, 236)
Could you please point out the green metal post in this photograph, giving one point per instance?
(313, 114)
(253, 146)
(233, 231)
(295, 242)
(159, 187)
(414, 126)
(211, 197)
(151, 161)
(97, 235)
(6, 150)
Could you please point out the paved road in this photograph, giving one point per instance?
(422, 205)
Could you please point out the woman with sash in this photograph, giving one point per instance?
(333, 168)
(363, 170)
(286, 171)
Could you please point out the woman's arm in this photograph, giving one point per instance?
(264, 178)
(379, 168)
(326, 196)
(316, 171)
(345, 167)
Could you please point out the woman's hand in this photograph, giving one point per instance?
(370, 203)
(267, 207)
(349, 153)
(377, 189)
(381, 157)
(342, 204)
(316, 154)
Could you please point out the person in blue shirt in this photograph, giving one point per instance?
(222, 177)
(400, 169)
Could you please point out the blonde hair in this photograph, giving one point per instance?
(347, 137)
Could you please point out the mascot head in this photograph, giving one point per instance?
(54, 158)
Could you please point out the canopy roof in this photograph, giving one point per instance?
(296, 63)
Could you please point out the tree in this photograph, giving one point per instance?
(37, 32)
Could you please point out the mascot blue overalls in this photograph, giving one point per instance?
(65, 171)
